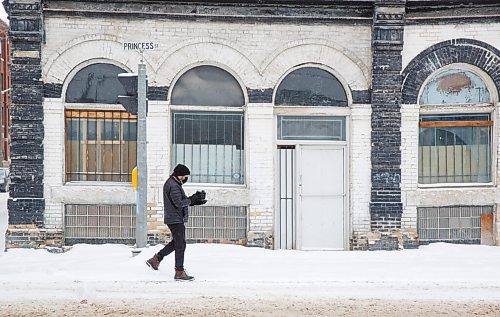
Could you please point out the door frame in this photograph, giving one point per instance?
(296, 203)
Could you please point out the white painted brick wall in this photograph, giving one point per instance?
(409, 162)
(420, 37)
(237, 48)
(261, 146)
(360, 167)
(409, 147)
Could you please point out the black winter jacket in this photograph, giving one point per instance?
(175, 201)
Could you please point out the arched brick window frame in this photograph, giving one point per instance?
(467, 51)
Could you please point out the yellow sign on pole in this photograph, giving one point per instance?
(134, 178)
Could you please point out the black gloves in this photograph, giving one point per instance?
(198, 198)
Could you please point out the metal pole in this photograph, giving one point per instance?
(2, 109)
(142, 168)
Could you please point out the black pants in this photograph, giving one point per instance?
(178, 244)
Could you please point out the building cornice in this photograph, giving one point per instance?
(316, 11)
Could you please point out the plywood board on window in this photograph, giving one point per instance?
(487, 236)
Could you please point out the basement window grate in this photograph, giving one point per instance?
(100, 223)
(457, 224)
(217, 223)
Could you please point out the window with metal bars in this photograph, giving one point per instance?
(455, 149)
(457, 224)
(100, 145)
(211, 144)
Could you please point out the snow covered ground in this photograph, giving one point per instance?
(438, 271)
(106, 280)
(250, 277)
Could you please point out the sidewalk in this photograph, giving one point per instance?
(436, 272)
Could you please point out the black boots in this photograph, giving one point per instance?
(182, 276)
(153, 263)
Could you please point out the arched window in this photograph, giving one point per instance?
(455, 147)
(207, 86)
(101, 143)
(311, 86)
(455, 86)
(96, 83)
(210, 142)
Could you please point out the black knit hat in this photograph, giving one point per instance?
(181, 170)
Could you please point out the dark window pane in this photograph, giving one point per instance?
(111, 131)
(207, 86)
(72, 129)
(96, 83)
(92, 130)
(130, 131)
(311, 86)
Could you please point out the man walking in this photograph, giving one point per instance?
(175, 216)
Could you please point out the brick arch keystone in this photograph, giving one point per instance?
(466, 51)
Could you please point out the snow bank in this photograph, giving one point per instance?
(437, 267)
(437, 262)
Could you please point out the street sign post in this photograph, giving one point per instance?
(135, 102)
(142, 167)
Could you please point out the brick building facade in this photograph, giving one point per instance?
(325, 125)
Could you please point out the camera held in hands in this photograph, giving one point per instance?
(198, 198)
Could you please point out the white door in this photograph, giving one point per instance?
(321, 201)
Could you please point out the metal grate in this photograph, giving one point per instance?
(100, 145)
(211, 144)
(100, 222)
(286, 232)
(459, 224)
(219, 223)
(455, 149)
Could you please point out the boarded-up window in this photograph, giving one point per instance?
(100, 145)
